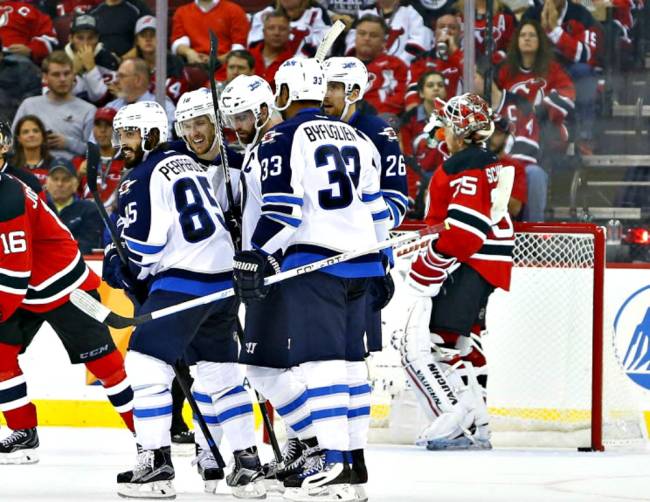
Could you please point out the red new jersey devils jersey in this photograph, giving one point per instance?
(40, 263)
(22, 23)
(461, 194)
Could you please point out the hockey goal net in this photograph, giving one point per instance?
(553, 377)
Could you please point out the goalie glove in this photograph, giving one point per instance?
(428, 272)
(250, 268)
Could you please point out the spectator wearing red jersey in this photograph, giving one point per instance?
(109, 171)
(423, 150)
(309, 23)
(116, 21)
(386, 74)
(93, 65)
(274, 49)
(498, 143)
(145, 48)
(577, 39)
(26, 31)
(407, 34)
(30, 148)
(58, 8)
(504, 24)
(446, 58)
(192, 23)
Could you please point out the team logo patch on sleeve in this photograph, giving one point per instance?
(390, 134)
(126, 187)
(270, 136)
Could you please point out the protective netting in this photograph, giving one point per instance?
(539, 353)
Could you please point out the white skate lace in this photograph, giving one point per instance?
(289, 450)
(206, 460)
(313, 464)
(144, 461)
(14, 437)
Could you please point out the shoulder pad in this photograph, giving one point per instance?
(473, 157)
(12, 196)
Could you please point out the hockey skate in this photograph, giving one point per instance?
(359, 475)
(247, 477)
(208, 468)
(293, 459)
(19, 447)
(150, 478)
(325, 477)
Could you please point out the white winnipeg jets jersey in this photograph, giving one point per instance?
(173, 225)
(320, 194)
(251, 195)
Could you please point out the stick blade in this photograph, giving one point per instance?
(92, 163)
(87, 304)
(330, 37)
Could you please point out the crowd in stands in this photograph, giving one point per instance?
(67, 66)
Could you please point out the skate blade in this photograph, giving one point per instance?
(210, 485)
(253, 490)
(153, 490)
(28, 456)
(330, 493)
(274, 485)
(360, 493)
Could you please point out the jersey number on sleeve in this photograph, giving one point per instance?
(343, 177)
(396, 166)
(196, 222)
(13, 242)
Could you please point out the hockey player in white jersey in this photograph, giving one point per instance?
(311, 166)
(196, 124)
(247, 104)
(178, 245)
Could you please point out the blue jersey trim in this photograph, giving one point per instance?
(143, 248)
(280, 218)
(297, 201)
(381, 215)
(189, 286)
(348, 270)
(369, 197)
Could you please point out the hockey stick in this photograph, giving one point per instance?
(328, 40)
(212, 65)
(92, 161)
(95, 309)
(235, 232)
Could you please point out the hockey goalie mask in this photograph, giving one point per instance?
(6, 139)
(350, 72)
(192, 105)
(144, 117)
(241, 105)
(304, 79)
(468, 115)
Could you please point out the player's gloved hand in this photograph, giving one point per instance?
(114, 272)
(250, 268)
(234, 228)
(382, 288)
(428, 272)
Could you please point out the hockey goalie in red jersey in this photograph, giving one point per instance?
(40, 265)
(453, 277)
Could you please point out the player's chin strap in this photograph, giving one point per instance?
(348, 103)
(260, 127)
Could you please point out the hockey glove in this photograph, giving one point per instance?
(115, 273)
(382, 288)
(250, 268)
(428, 272)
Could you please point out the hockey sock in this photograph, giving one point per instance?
(109, 370)
(359, 408)
(18, 411)
(152, 399)
(231, 401)
(288, 394)
(204, 402)
(476, 356)
(328, 399)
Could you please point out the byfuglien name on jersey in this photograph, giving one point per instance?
(180, 165)
(322, 132)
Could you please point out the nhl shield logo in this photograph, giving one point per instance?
(632, 337)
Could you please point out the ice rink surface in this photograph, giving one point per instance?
(81, 464)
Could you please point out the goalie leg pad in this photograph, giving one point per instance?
(151, 380)
(223, 382)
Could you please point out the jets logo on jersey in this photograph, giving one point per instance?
(390, 133)
(126, 187)
(270, 136)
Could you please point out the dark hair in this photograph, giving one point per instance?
(544, 54)
(242, 54)
(371, 18)
(423, 78)
(18, 158)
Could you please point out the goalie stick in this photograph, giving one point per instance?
(328, 40)
(95, 309)
(92, 161)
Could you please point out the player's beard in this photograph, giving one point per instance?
(132, 157)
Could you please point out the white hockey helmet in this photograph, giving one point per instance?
(304, 79)
(144, 116)
(350, 72)
(194, 104)
(468, 115)
(247, 93)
